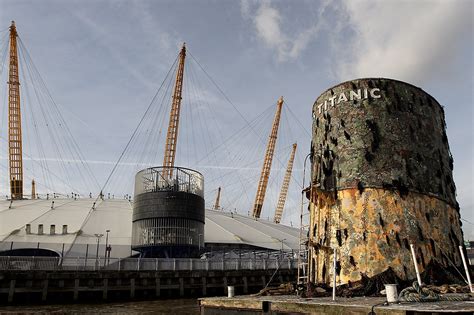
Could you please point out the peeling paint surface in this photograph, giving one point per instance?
(381, 180)
(372, 231)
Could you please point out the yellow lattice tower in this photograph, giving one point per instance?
(14, 121)
(172, 135)
(267, 163)
(284, 187)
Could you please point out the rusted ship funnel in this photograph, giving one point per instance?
(381, 180)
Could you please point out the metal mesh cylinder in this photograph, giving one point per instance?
(168, 212)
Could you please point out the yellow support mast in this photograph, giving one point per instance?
(284, 187)
(172, 135)
(218, 198)
(267, 163)
(14, 121)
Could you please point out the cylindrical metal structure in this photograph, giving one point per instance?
(381, 180)
(168, 212)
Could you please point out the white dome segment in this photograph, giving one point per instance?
(232, 228)
(75, 223)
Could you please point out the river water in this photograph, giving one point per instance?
(182, 306)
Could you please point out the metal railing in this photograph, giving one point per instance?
(157, 179)
(9, 263)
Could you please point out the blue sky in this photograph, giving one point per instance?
(104, 60)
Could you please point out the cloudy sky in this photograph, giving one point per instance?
(103, 62)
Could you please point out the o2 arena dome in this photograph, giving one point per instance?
(71, 227)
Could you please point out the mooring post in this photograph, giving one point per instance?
(465, 268)
(418, 278)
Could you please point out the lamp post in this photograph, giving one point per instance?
(106, 246)
(98, 236)
(281, 256)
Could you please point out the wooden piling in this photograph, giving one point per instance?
(11, 291)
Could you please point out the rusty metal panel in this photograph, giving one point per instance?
(381, 179)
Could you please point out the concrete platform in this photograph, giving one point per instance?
(286, 304)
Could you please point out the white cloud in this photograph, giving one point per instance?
(415, 42)
(409, 41)
(406, 40)
(268, 23)
(245, 8)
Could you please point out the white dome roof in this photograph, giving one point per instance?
(84, 220)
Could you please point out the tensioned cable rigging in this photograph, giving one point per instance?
(43, 116)
(235, 107)
(204, 140)
(28, 110)
(137, 128)
(37, 161)
(55, 115)
(124, 151)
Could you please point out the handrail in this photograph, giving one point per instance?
(151, 179)
(30, 263)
